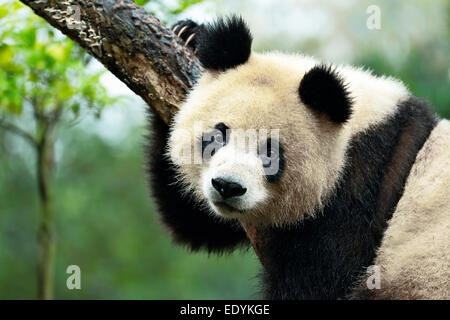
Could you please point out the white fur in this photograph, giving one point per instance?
(236, 165)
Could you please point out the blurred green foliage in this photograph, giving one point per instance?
(412, 44)
(43, 78)
(41, 67)
(107, 225)
(105, 220)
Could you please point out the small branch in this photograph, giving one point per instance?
(18, 131)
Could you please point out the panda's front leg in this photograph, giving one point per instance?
(189, 31)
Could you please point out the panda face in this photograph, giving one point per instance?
(247, 147)
(315, 110)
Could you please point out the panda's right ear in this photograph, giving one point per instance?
(323, 90)
(224, 44)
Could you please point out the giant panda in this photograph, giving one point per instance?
(350, 171)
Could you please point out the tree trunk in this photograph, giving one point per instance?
(131, 43)
(45, 231)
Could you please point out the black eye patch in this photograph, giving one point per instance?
(214, 140)
(222, 127)
(271, 154)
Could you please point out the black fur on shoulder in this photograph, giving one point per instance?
(224, 44)
(325, 257)
(322, 89)
(187, 221)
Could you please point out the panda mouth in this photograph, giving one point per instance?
(227, 207)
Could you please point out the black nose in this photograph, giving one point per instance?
(228, 189)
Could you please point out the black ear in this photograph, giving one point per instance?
(322, 89)
(225, 43)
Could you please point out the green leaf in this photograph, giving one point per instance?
(3, 12)
(6, 55)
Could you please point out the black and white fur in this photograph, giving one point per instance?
(352, 153)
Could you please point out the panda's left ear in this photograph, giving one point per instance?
(224, 44)
(323, 90)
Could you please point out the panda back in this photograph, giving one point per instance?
(414, 255)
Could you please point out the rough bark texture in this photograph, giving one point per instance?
(131, 43)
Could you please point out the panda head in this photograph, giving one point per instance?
(261, 137)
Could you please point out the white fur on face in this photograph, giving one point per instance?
(240, 166)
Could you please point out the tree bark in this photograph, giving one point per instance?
(131, 43)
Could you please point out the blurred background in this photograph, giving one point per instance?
(104, 219)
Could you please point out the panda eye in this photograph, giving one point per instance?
(218, 137)
(214, 140)
(267, 161)
(271, 155)
(268, 154)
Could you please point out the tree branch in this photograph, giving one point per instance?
(131, 43)
(18, 131)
